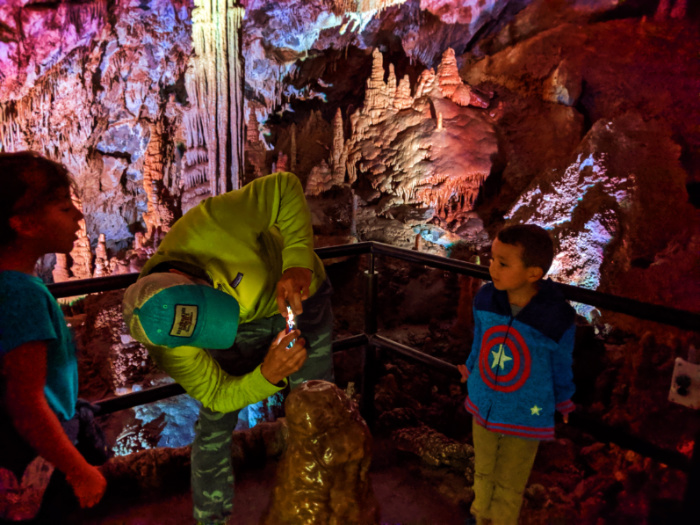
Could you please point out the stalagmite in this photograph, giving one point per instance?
(339, 155)
(323, 475)
(101, 260)
(60, 270)
(82, 255)
(448, 74)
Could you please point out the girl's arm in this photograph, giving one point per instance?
(24, 369)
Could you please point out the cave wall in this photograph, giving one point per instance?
(423, 124)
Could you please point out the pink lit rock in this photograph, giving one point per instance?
(435, 154)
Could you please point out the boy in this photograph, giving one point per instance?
(522, 350)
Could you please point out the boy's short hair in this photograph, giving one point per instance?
(538, 248)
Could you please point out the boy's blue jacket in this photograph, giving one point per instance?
(519, 368)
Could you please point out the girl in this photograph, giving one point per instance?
(38, 365)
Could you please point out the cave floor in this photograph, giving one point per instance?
(406, 496)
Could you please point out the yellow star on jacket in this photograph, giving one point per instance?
(535, 411)
(500, 358)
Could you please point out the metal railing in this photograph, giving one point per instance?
(372, 342)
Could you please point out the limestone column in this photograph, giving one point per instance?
(215, 86)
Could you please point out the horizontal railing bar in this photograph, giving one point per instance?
(607, 434)
(94, 285)
(412, 353)
(344, 250)
(600, 431)
(435, 261)
(642, 310)
(647, 311)
(142, 397)
(352, 341)
(150, 395)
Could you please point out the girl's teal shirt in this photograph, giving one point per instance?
(28, 312)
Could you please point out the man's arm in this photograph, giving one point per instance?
(203, 379)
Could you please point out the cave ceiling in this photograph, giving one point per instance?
(414, 122)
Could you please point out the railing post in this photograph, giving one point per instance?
(691, 500)
(369, 368)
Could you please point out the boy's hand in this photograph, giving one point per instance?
(280, 361)
(88, 485)
(463, 372)
(292, 289)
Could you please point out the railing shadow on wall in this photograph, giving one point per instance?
(373, 343)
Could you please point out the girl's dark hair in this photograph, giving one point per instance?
(538, 248)
(29, 181)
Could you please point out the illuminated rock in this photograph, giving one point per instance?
(323, 475)
(101, 260)
(610, 221)
(82, 255)
(434, 153)
(60, 270)
(435, 448)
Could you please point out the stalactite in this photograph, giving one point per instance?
(216, 87)
(293, 148)
(237, 113)
(158, 215)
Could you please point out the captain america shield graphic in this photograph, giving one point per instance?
(504, 360)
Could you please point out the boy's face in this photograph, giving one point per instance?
(507, 269)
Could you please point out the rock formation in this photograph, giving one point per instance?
(323, 475)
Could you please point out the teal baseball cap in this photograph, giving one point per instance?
(170, 309)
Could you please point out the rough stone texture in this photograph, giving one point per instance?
(434, 154)
(101, 86)
(323, 475)
(608, 215)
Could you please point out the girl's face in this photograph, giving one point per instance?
(56, 224)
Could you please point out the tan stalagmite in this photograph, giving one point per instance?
(323, 475)
(101, 260)
(338, 153)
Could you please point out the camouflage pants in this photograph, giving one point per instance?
(212, 471)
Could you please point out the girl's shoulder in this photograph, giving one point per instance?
(12, 278)
(21, 285)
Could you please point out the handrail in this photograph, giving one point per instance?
(642, 310)
(150, 395)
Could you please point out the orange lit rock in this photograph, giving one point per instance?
(323, 477)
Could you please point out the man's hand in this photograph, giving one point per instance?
(280, 361)
(292, 289)
(88, 485)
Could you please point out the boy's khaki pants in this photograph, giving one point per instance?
(502, 466)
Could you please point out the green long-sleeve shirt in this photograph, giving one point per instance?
(243, 240)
